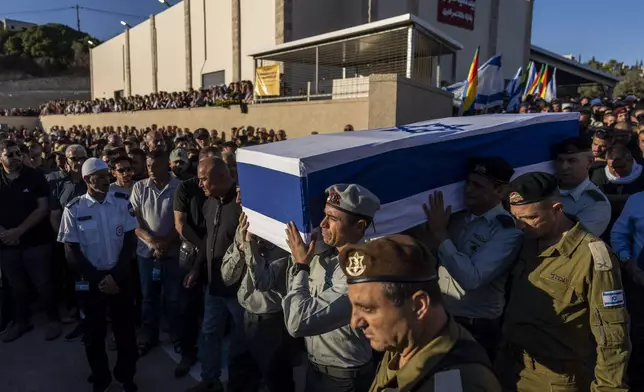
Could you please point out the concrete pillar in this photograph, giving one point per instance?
(188, 34)
(92, 93)
(493, 28)
(369, 11)
(527, 41)
(283, 21)
(128, 71)
(236, 19)
(153, 55)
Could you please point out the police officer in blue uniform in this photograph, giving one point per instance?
(97, 229)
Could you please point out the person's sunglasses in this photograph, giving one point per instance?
(77, 159)
(16, 154)
(124, 170)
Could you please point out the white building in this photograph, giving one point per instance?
(14, 25)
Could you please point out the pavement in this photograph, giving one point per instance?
(30, 364)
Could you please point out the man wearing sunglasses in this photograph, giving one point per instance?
(64, 186)
(122, 171)
(25, 241)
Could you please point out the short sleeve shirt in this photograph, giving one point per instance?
(63, 190)
(189, 199)
(18, 199)
(98, 228)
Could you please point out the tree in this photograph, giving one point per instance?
(13, 46)
(631, 84)
(590, 90)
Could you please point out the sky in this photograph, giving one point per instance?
(579, 27)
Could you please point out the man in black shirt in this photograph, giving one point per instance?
(25, 240)
(221, 212)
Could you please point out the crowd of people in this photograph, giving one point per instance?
(235, 93)
(536, 286)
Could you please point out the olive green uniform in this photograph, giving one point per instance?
(427, 371)
(562, 300)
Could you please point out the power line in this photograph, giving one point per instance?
(113, 12)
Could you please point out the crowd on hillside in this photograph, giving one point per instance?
(235, 93)
(146, 225)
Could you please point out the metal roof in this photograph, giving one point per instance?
(557, 60)
(447, 43)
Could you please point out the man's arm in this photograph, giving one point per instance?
(36, 215)
(185, 230)
(54, 219)
(305, 315)
(490, 260)
(608, 321)
(622, 233)
(232, 265)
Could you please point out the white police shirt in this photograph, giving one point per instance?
(99, 228)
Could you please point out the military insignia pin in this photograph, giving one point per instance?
(334, 198)
(356, 267)
(515, 197)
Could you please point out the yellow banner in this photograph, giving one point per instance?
(267, 81)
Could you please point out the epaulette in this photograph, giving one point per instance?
(121, 195)
(595, 195)
(72, 202)
(506, 221)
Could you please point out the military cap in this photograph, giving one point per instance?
(396, 258)
(201, 132)
(532, 188)
(494, 168)
(573, 145)
(179, 154)
(353, 199)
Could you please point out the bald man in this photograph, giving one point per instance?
(221, 213)
(155, 141)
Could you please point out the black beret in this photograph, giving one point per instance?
(494, 168)
(573, 145)
(532, 188)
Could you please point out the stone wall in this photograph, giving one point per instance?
(33, 92)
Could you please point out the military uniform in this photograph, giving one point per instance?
(475, 260)
(317, 308)
(562, 299)
(589, 205)
(451, 360)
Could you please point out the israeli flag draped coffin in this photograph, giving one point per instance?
(285, 181)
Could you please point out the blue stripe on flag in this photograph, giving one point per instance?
(414, 170)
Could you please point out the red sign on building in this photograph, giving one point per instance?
(459, 13)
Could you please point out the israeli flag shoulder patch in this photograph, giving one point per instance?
(613, 298)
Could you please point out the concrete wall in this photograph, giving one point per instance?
(258, 32)
(198, 39)
(108, 67)
(141, 58)
(33, 92)
(218, 39)
(392, 100)
(513, 35)
(19, 122)
(171, 49)
(297, 119)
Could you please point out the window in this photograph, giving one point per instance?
(213, 79)
(118, 94)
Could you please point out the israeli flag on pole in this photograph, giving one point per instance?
(286, 181)
(490, 86)
(515, 91)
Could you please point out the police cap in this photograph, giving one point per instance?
(495, 168)
(532, 188)
(396, 258)
(353, 199)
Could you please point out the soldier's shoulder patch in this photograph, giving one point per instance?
(601, 256)
(121, 195)
(506, 221)
(72, 202)
(595, 195)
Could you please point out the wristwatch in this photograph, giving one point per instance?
(300, 267)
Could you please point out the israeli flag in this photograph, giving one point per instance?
(286, 181)
(515, 91)
(490, 86)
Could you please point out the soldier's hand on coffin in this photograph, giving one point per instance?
(437, 218)
(244, 235)
(302, 253)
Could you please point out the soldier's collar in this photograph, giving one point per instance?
(428, 357)
(109, 198)
(568, 243)
(577, 191)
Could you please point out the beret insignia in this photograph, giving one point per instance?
(356, 267)
(515, 197)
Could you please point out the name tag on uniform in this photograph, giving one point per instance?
(613, 298)
(82, 286)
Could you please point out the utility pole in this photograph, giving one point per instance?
(77, 17)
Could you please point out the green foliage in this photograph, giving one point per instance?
(631, 84)
(45, 49)
(590, 90)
